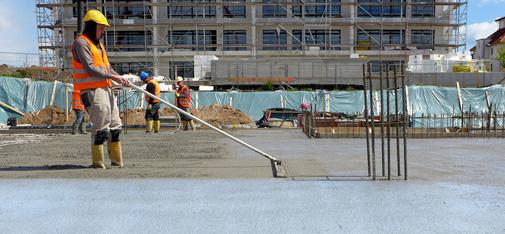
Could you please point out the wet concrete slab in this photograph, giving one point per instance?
(454, 186)
(248, 206)
(466, 160)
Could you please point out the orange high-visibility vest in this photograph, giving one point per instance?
(83, 79)
(184, 102)
(76, 100)
(156, 90)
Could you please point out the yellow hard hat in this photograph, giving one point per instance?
(97, 16)
(178, 78)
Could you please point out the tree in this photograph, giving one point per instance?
(268, 86)
(501, 56)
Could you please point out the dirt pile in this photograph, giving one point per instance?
(136, 116)
(215, 114)
(52, 115)
(222, 115)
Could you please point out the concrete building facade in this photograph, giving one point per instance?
(163, 36)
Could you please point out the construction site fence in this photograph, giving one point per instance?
(470, 124)
(29, 96)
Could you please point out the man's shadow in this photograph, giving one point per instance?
(44, 168)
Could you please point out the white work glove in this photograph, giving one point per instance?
(120, 80)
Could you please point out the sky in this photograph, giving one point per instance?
(18, 27)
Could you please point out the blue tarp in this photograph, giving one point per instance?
(12, 92)
(29, 96)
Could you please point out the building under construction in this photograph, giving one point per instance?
(164, 36)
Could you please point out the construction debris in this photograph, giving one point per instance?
(5, 105)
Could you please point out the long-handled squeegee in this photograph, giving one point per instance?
(277, 168)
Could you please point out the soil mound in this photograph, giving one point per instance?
(51, 115)
(221, 115)
(136, 116)
(216, 115)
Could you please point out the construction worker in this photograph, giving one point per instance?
(153, 105)
(93, 76)
(183, 101)
(79, 109)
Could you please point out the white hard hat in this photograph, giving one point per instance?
(178, 78)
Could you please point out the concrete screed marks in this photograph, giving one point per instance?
(207, 154)
(201, 154)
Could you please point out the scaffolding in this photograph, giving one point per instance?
(449, 15)
(318, 29)
(46, 24)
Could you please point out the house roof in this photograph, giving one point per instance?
(473, 48)
(497, 37)
(496, 20)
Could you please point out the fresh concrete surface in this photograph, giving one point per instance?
(248, 206)
(463, 160)
(454, 186)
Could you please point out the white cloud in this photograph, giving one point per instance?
(480, 30)
(5, 24)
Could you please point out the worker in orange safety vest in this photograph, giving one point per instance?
(152, 115)
(183, 101)
(93, 76)
(79, 109)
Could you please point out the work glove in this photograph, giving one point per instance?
(149, 107)
(176, 94)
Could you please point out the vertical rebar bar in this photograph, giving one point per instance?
(123, 93)
(353, 126)
(452, 124)
(381, 90)
(406, 114)
(423, 126)
(388, 126)
(372, 120)
(397, 123)
(494, 122)
(482, 120)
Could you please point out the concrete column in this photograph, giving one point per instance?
(408, 9)
(352, 28)
(219, 32)
(219, 9)
(253, 29)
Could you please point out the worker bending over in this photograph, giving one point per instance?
(153, 105)
(79, 109)
(93, 76)
(183, 101)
